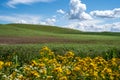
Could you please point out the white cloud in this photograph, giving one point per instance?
(12, 3)
(86, 25)
(60, 11)
(27, 19)
(50, 21)
(115, 13)
(95, 26)
(114, 27)
(77, 10)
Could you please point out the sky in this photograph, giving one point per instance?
(84, 15)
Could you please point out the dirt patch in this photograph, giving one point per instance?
(43, 39)
(28, 40)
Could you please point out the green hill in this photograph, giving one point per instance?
(38, 30)
(28, 33)
(33, 30)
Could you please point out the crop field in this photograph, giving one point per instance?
(68, 54)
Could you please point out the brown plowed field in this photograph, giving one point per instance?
(45, 39)
(28, 40)
(33, 40)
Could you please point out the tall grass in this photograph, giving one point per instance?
(27, 52)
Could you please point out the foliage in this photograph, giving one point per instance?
(50, 66)
(29, 51)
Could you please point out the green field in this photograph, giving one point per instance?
(58, 39)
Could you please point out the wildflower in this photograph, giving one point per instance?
(35, 73)
(45, 48)
(8, 64)
(93, 66)
(68, 72)
(51, 53)
(20, 77)
(1, 64)
(27, 68)
(49, 77)
(95, 74)
(119, 67)
(41, 65)
(43, 71)
(13, 74)
(113, 62)
(107, 70)
(63, 78)
(34, 63)
(111, 77)
(69, 54)
(44, 59)
(58, 70)
(102, 75)
(76, 68)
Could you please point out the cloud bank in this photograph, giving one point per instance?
(115, 13)
(94, 26)
(27, 19)
(93, 21)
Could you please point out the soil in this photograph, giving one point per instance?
(32, 40)
(43, 39)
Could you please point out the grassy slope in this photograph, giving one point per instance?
(32, 30)
(28, 30)
(36, 30)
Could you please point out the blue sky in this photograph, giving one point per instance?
(84, 15)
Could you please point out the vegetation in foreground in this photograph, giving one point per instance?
(49, 66)
(29, 51)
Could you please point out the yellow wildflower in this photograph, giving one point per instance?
(76, 68)
(58, 69)
(27, 68)
(68, 72)
(111, 77)
(107, 70)
(41, 65)
(8, 64)
(1, 64)
(45, 48)
(20, 77)
(43, 71)
(14, 74)
(34, 63)
(93, 66)
(63, 78)
(69, 54)
(102, 75)
(49, 77)
(35, 73)
(95, 74)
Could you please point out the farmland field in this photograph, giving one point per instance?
(23, 42)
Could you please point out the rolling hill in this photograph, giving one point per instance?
(33, 30)
(28, 33)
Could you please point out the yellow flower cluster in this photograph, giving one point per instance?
(52, 66)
